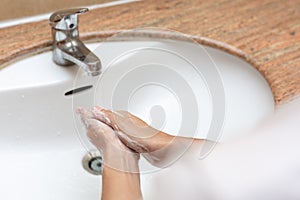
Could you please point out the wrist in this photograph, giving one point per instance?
(120, 154)
(160, 141)
(124, 161)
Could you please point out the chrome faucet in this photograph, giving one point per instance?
(68, 49)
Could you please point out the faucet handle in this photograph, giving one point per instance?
(66, 19)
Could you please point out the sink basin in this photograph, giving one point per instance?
(179, 87)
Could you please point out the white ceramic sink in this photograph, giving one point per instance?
(176, 86)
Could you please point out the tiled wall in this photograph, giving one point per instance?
(11, 9)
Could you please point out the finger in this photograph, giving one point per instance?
(100, 115)
(132, 144)
(78, 110)
(85, 115)
(99, 132)
(99, 107)
(94, 128)
(106, 116)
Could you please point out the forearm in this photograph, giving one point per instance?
(165, 148)
(120, 178)
(167, 141)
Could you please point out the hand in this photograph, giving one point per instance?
(133, 131)
(138, 135)
(106, 140)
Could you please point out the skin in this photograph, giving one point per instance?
(120, 175)
(259, 166)
(122, 137)
(159, 148)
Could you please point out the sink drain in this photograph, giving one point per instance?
(92, 162)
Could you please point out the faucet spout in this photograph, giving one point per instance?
(68, 49)
(75, 52)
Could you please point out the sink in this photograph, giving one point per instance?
(179, 87)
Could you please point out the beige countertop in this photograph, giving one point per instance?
(265, 33)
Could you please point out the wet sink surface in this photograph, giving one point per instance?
(181, 88)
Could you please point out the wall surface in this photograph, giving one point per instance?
(11, 9)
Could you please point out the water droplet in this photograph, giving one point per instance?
(58, 133)
(22, 96)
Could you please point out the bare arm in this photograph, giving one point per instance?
(159, 148)
(120, 175)
(122, 183)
